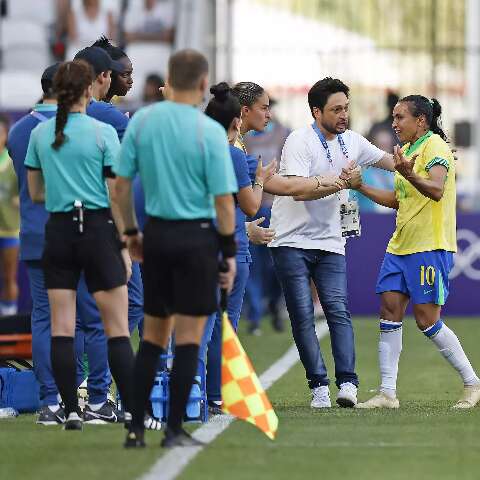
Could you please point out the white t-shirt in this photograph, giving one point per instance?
(315, 224)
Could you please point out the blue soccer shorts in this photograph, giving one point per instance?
(421, 276)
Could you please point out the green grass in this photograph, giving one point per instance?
(425, 439)
(44, 453)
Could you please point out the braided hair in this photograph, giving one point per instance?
(223, 107)
(247, 93)
(419, 105)
(69, 83)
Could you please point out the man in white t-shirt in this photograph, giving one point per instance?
(308, 244)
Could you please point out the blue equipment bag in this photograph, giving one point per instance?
(19, 388)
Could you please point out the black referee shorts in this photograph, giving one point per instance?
(180, 267)
(96, 252)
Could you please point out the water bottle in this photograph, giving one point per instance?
(193, 405)
(8, 412)
(157, 397)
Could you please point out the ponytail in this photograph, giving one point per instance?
(69, 84)
(419, 105)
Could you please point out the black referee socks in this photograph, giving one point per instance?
(121, 360)
(143, 378)
(184, 369)
(62, 355)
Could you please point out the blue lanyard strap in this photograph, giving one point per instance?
(323, 141)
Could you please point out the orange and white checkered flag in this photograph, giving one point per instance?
(242, 394)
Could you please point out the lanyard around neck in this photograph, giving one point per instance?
(323, 141)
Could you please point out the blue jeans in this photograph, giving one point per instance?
(212, 336)
(295, 268)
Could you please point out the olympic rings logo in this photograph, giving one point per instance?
(466, 257)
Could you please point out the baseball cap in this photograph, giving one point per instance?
(47, 77)
(99, 59)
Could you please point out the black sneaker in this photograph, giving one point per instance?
(214, 408)
(106, 414)
(73, 422)
(135, 439)
(179, 439)
(47, 417)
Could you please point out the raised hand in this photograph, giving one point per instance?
(403, 165)
(263, 173)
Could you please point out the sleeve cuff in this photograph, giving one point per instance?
(437, 161)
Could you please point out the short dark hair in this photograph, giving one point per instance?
(116, 53)
(186, 68)
(318, 95)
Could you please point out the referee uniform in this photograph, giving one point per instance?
(183, 160)
(80, 235)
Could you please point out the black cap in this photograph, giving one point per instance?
(47, 78)
(99, 59)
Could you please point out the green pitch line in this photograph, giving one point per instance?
(424, 439)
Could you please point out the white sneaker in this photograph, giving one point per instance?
(380, 401)
(321, 397)
(470, 397)
(347, 395)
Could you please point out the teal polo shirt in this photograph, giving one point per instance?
(182, 157)
(75, 170)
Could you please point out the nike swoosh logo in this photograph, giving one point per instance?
(425, 292)
(99, 415)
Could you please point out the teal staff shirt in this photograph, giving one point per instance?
(75, 170)
(182, 157)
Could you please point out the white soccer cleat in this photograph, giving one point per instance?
(379, 401)
(470, 397)
(347, 395)
(321, 397)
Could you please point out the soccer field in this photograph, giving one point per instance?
(424, 439)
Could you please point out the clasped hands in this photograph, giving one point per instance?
(351, 177)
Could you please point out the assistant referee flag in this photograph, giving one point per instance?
(242, 394)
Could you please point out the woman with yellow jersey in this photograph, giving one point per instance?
(420, 253)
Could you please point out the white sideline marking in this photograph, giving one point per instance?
(172, 463)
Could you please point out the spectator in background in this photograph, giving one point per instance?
(150, 21)
(263, 284)
(9, 226)
(381, 134)
(88, 20)
(151, 90)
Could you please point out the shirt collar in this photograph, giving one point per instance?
(412, 148)
(45, 107)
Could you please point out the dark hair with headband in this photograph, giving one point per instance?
(223, 107)
(419, 105)
(247, 93)
(69, 83)
(319, 94)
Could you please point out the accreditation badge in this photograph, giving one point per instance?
(350, 219)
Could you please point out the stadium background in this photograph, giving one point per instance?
(376, 46)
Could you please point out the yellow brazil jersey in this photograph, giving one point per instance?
(422, 223)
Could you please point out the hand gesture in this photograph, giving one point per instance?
(259, 235)
(266, 172)
(135, 246)
(402, 165)
(332, 181)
